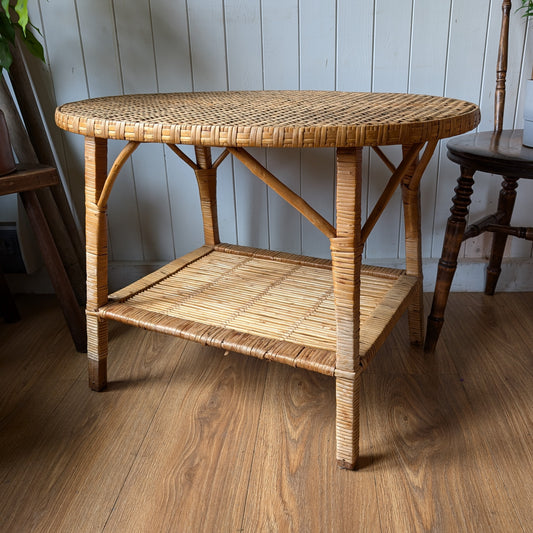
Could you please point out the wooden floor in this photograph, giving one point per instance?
(187, 439)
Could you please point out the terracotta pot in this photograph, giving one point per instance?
(7, 161)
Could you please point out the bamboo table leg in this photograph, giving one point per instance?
(413, 233)
(413, 251)
(96, 244)
(453, 238)
(206, 175)
(346, 253)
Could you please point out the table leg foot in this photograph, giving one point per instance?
(341, 463)
(97, 352)
(347, 421)
(415, 318)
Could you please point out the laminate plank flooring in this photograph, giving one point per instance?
(192, 471)
(294, 484)
(187, 439)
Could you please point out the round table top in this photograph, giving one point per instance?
(287, 119)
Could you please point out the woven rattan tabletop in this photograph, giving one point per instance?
(270, 118)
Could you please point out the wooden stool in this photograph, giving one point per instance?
(492, 152)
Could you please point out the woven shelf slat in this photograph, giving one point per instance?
(239, 302)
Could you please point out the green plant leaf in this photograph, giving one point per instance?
(9, 28)
(6, 28)
(5, 54)
(5, 5)
(35, 28)
(33, 45)
(527, 6)
(21, 8)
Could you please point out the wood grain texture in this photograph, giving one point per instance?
(192, 471)
(445, 440)
(290, 468)
(442, 459)
(499, 396)
(61, 439)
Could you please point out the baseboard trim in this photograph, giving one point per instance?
(516, 276)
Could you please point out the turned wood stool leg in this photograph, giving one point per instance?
(453, 238)
(346, 253)
(506, 203)
(96, 244)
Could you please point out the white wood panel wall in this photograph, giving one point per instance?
(108, 47)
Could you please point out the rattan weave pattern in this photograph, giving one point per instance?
(248, 301)
(270, 118)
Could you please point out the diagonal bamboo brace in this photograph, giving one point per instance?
(184, 157)
(113, 173)
(287, 194)
(389, 189)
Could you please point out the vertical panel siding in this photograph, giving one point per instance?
(245, 72)
(427, 75)
(209, 67)
(487, 186)
(522, 52)
(137, 55)
(317, 72)
(466, 54)
(355, 62)
(69, 80)
(104, 77)
(392, 45)
(116, 46)
(281, 71)
(170, 29)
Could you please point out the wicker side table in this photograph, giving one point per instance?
(326, 316)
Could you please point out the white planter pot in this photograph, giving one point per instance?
(528, 115)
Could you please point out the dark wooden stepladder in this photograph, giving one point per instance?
(36, 181)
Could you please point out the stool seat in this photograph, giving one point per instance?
(497, 153)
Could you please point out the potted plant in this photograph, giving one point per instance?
(14, 21)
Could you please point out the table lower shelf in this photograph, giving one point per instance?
(266, 304)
